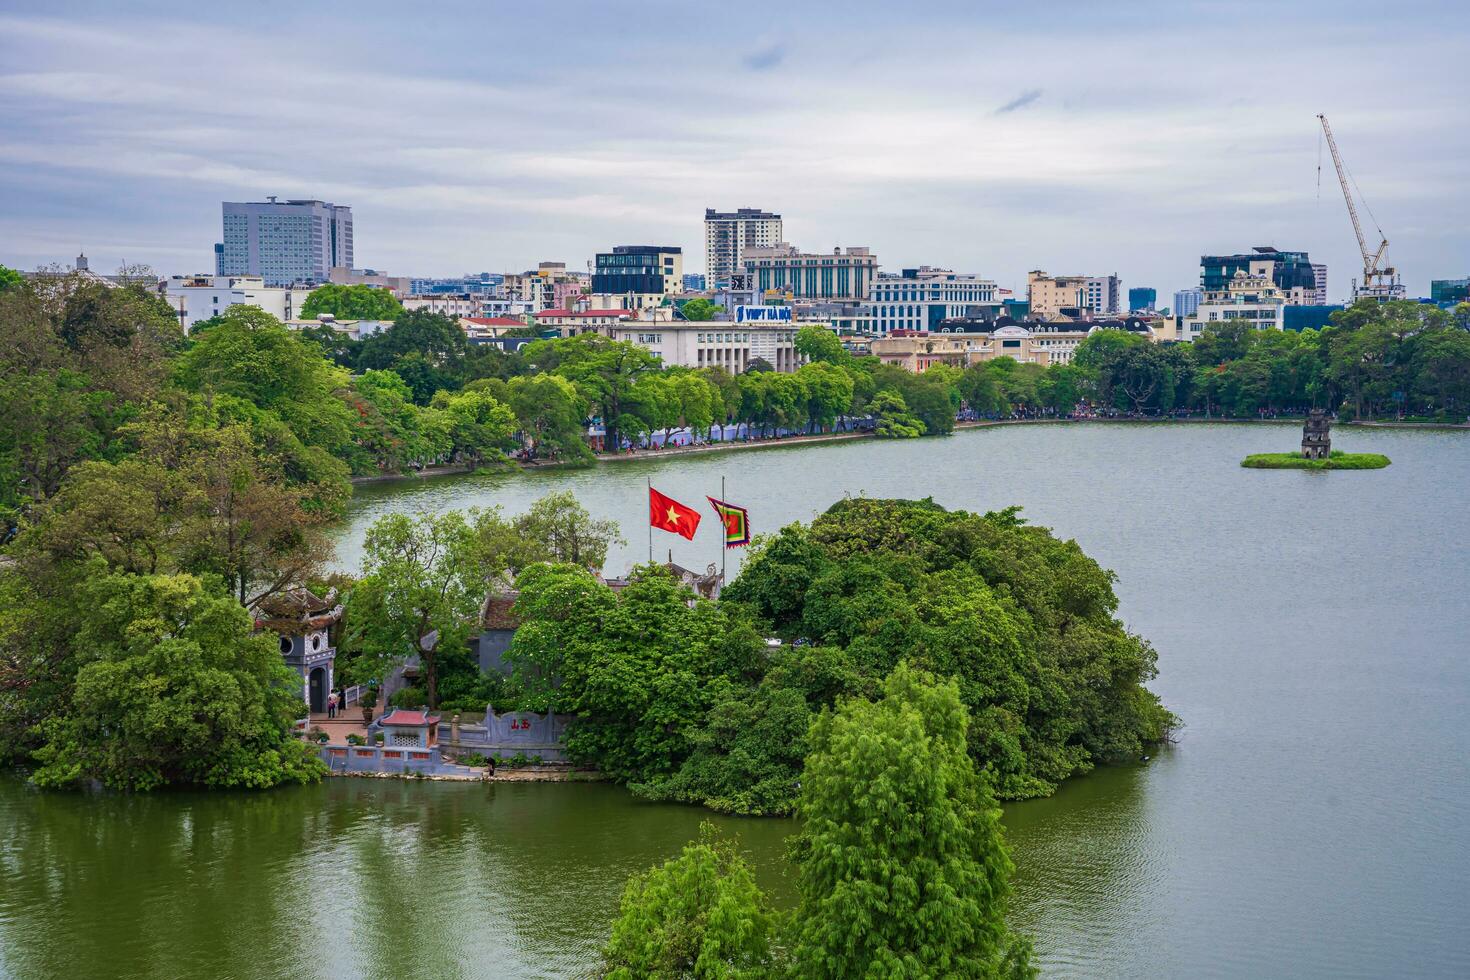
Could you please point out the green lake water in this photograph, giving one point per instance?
(1313, 820)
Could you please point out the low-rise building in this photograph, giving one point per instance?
(713, 343)
(355, 329)
(196, 298)
(1048, 296)
(399, 286)
(569, 323)
(1250, 296)
(479, 328)
(447, 304)
(1041, 344)
(786, 271)
(919, 299)
(645, 275)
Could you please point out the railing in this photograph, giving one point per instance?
(352, 695)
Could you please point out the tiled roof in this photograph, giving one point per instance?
(409, 718)
(493, 321)
(584, 313)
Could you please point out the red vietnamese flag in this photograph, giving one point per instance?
(667, 514)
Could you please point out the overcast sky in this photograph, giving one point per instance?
(984, 137)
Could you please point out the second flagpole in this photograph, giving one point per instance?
(649, 480)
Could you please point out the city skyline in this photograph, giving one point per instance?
(1104, 149)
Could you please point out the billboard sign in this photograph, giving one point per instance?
(762, 314)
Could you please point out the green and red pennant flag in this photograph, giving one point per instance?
(736, 521)
(667, 514)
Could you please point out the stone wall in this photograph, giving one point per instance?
(509, 734)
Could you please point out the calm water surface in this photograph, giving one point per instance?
(1313, 821)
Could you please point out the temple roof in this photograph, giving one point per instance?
(409, 718)
(297, 611)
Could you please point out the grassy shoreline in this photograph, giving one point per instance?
(826, 437)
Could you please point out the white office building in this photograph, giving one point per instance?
(919, 299)
(284, 242)
(713, 343)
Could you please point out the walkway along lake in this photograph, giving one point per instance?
(1312, 631)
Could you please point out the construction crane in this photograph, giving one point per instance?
(1379, 282)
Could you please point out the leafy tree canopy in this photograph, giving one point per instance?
(357, 302)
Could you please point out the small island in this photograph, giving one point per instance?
(1317, 452)
(1296, 461)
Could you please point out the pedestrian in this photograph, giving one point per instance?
(332, 705)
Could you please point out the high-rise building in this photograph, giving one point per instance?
(920, 299)
(1319, 273)
(1292, 272)
(284, 242)
(1142, 298)
(1102, 294)
(786, 270)
(695, 282)
(727, 234)
(643, 275)
(1186, 301)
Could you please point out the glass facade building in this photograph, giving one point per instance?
(1449, 291)
(1292, 272)
(639, 269)
(1142, 298)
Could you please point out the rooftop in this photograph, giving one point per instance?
(409, 718)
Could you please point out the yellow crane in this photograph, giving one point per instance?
(1379, 281)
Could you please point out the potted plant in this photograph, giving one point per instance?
(355, 739)
(320, 735)
(369, 702)
(378, 739)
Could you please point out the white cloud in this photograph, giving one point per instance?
(511, 138)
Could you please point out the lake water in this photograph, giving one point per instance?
(1313, 820)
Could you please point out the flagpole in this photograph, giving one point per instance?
(724, 545)
(649, 480)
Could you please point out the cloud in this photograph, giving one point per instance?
(1019, 102)
(766, 58)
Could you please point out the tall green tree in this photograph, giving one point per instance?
(480, 426)
(551, 414)
(699, 915)
(902, 867)
(894, 421)
(604, 370)
(419, 575)
(179, 689)
(819, 344)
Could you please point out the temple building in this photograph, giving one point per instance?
(1317, 435)
(302, 621)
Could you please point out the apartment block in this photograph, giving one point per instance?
(727, 234)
